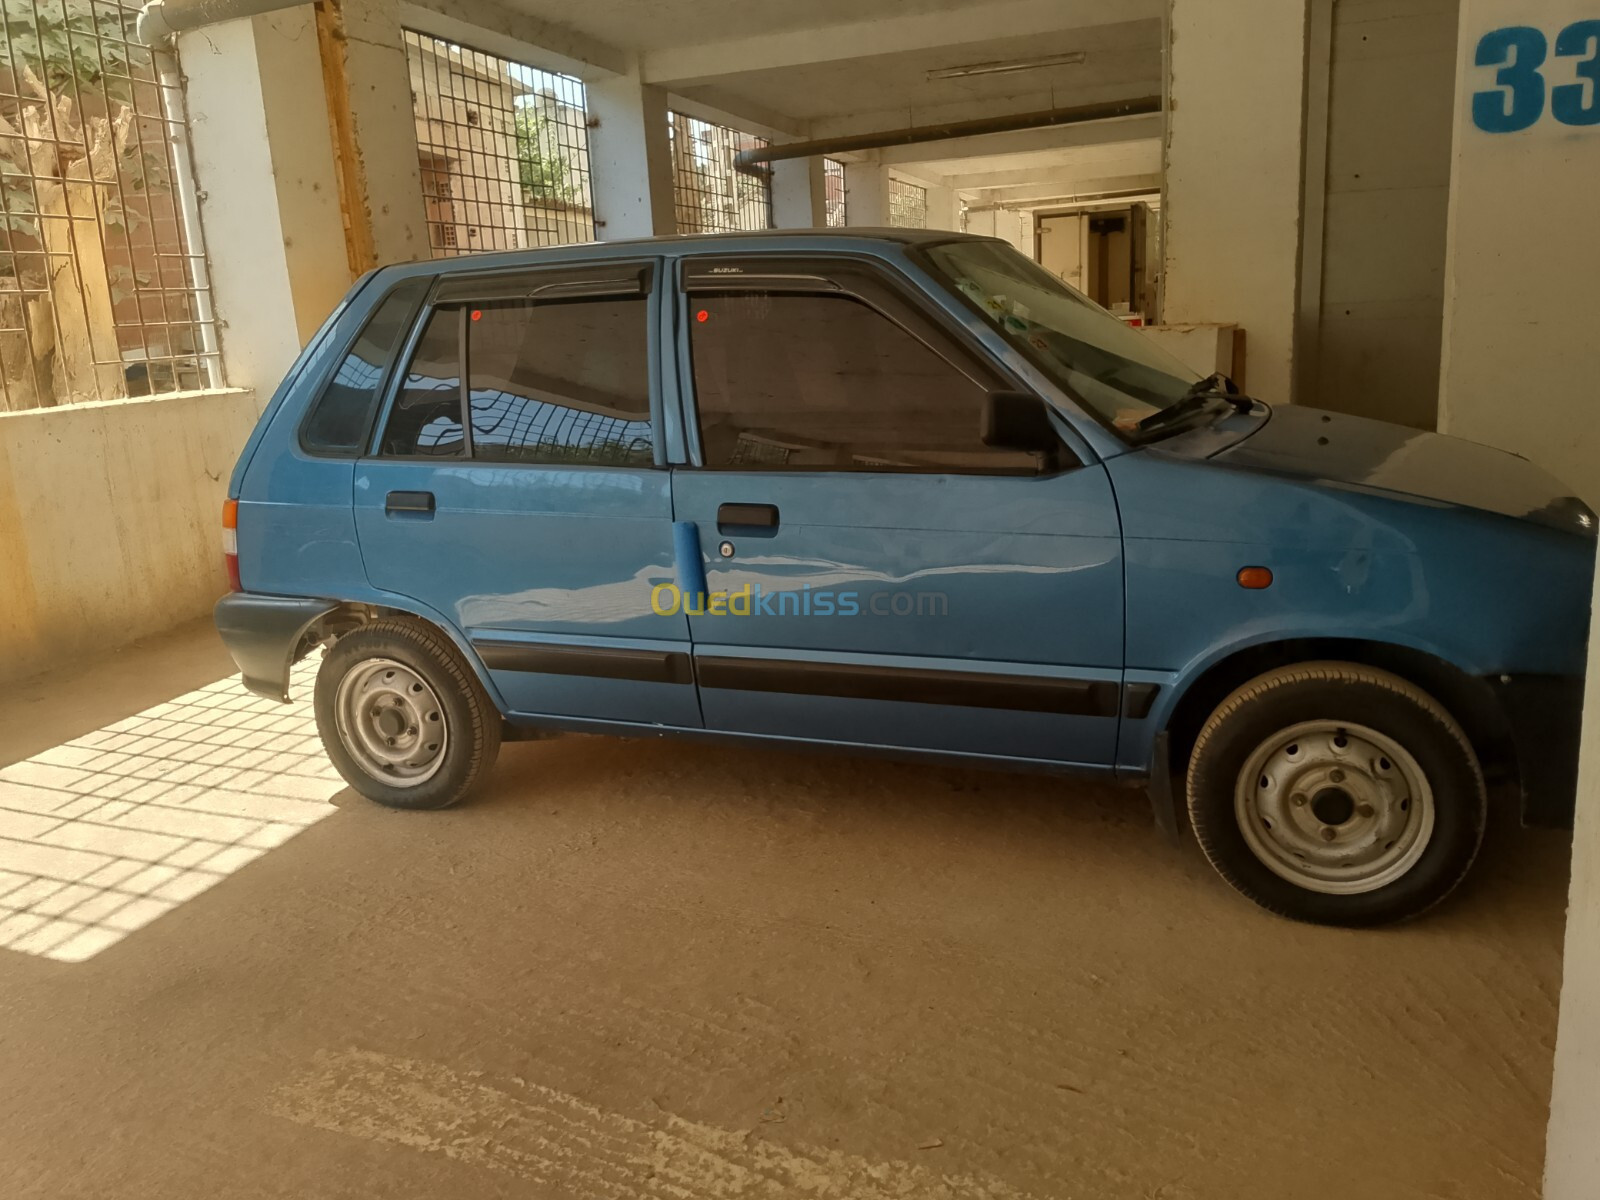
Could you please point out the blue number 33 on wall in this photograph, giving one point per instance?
(1518, 100)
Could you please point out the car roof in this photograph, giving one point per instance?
(808, 241)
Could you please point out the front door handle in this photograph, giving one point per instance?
(411, 504)
(742, 518)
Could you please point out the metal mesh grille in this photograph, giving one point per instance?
(710, 194)
(833, 190)
(503, 148)
(908, 205)
(104, 291)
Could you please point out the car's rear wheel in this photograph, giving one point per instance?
(1336, 793)
(403, 718)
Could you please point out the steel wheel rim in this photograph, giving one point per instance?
(391, 722)
(1334, 808)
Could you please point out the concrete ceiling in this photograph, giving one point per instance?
(827, 67)
(893, 89)
(1117, 158)
(640, 25)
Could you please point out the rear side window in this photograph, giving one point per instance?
(339, 422)
(426, 418)
(561, 382)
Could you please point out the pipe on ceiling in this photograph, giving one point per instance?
(1034, 202)
(1077, 115)
(161, 19)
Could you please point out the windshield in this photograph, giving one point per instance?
(1117, 372)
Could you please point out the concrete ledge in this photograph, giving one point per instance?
(110, 518)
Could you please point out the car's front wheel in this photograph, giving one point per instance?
(403, 718)
(1336, 793)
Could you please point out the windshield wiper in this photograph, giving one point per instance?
(1200, 394)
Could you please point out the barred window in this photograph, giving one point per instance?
(908, 204)
(712, 193)
(503, 149)
(833, 190)
(104, 291)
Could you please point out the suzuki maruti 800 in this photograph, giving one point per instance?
(906, 492)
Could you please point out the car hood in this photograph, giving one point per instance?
(1354, 451)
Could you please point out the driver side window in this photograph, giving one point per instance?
(822, 381)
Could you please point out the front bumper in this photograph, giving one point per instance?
(1544, 716)
(265, 635)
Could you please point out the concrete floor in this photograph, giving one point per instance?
(642, 969)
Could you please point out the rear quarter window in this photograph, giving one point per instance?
(340, 420)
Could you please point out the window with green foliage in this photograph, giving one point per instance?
(503, 148)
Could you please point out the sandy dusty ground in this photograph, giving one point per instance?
(640, 969)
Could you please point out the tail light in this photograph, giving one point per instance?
(230, 543)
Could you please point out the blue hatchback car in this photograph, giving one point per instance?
(906, 492)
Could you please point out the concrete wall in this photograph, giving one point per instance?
(1572, 1157)
(264, 167)
(1233, 176)
(1015, 225)
(110, 520)
(1520, 366)
(1374, 324)
(1522, 288)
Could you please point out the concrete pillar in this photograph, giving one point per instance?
(384, 130)
(1233, 176)
(1518, 370)
(1522, 259)
(799, 196)
(630, 159)
(944, 209)
(866, 194)
(264, 169)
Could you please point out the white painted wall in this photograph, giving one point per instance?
(110, 519)
(1521, 358)
(1015, 225)
(944, 208)
(1572, 1152)
(269, 200)
(1519, 370)
(799, 199)
(263, 164)
(866, 194)
(1375, 316)
(630, 158)
(1233, 182)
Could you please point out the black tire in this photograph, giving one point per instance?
(1269, 706)
(466, 713)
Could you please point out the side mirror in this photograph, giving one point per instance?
(1019, 421)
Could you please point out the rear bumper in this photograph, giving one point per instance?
(1544, 716)
(265, 635)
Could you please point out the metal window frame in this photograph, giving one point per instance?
(468, 106)
(876, 286)
(835, 197)
(119, 218)
(553, 283)
(908, 204)
(711, 193)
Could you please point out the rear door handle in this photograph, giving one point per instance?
(414, 504)
(734, 518)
